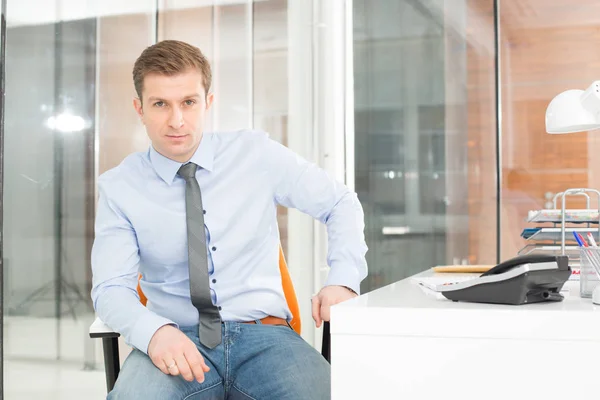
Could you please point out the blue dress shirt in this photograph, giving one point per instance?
(141, 228)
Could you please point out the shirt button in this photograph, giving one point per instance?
(204, 211)
(214, 281)
(214, 248)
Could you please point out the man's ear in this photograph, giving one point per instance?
(137, 104)
(210, 97)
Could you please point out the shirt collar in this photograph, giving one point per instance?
(167, 168)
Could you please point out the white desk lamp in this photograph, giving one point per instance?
(576, 111)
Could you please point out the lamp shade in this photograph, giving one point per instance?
(574, 111)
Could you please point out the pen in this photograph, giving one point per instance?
(583, 242)
(577, 239)
(591, 239)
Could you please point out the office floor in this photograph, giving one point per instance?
(31, 371)
(32, 380)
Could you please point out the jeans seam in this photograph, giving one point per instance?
(243, 392)
(202, 390)
(226, 348)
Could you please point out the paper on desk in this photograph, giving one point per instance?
(462, 268)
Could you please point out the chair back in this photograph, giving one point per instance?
(288, 291)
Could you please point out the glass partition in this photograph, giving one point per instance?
(544, 53)
(48, 182)
(68, 72)
(424, 120)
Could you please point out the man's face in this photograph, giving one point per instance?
(173, 109)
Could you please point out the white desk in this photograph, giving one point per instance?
(398, 343)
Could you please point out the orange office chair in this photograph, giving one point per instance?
(110, 342)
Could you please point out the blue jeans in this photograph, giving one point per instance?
(253, 361)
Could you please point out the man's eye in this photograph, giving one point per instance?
(190, 102)
(159, 104)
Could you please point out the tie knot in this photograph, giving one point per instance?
(187, 171)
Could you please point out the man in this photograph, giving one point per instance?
(196, 216)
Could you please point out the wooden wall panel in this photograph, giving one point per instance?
(538, 63)
(120, 132)
(546, 48)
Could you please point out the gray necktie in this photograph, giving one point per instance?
(210, 319)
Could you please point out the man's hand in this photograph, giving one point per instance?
(327, 297)
(174, 353)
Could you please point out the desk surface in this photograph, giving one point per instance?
(404, 308)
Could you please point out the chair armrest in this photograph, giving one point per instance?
(100, 330)
(110, 344)
(326, 343)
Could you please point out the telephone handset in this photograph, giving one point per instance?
(520, 260)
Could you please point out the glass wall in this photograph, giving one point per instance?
(67, 88)
(442, 179)
(544, 53)
(48, 181)
(424, 120)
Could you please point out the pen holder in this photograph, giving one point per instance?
(590, 270)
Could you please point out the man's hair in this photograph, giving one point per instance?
(170, 57)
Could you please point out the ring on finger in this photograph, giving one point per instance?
(171, 366)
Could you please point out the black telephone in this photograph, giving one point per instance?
(527, 259)
(520, 280)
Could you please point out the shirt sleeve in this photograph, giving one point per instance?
(115, 265)
(301, 184)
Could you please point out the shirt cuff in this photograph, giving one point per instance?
(344, 276)
(145, 327)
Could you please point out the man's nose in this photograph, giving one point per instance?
(176, 119)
